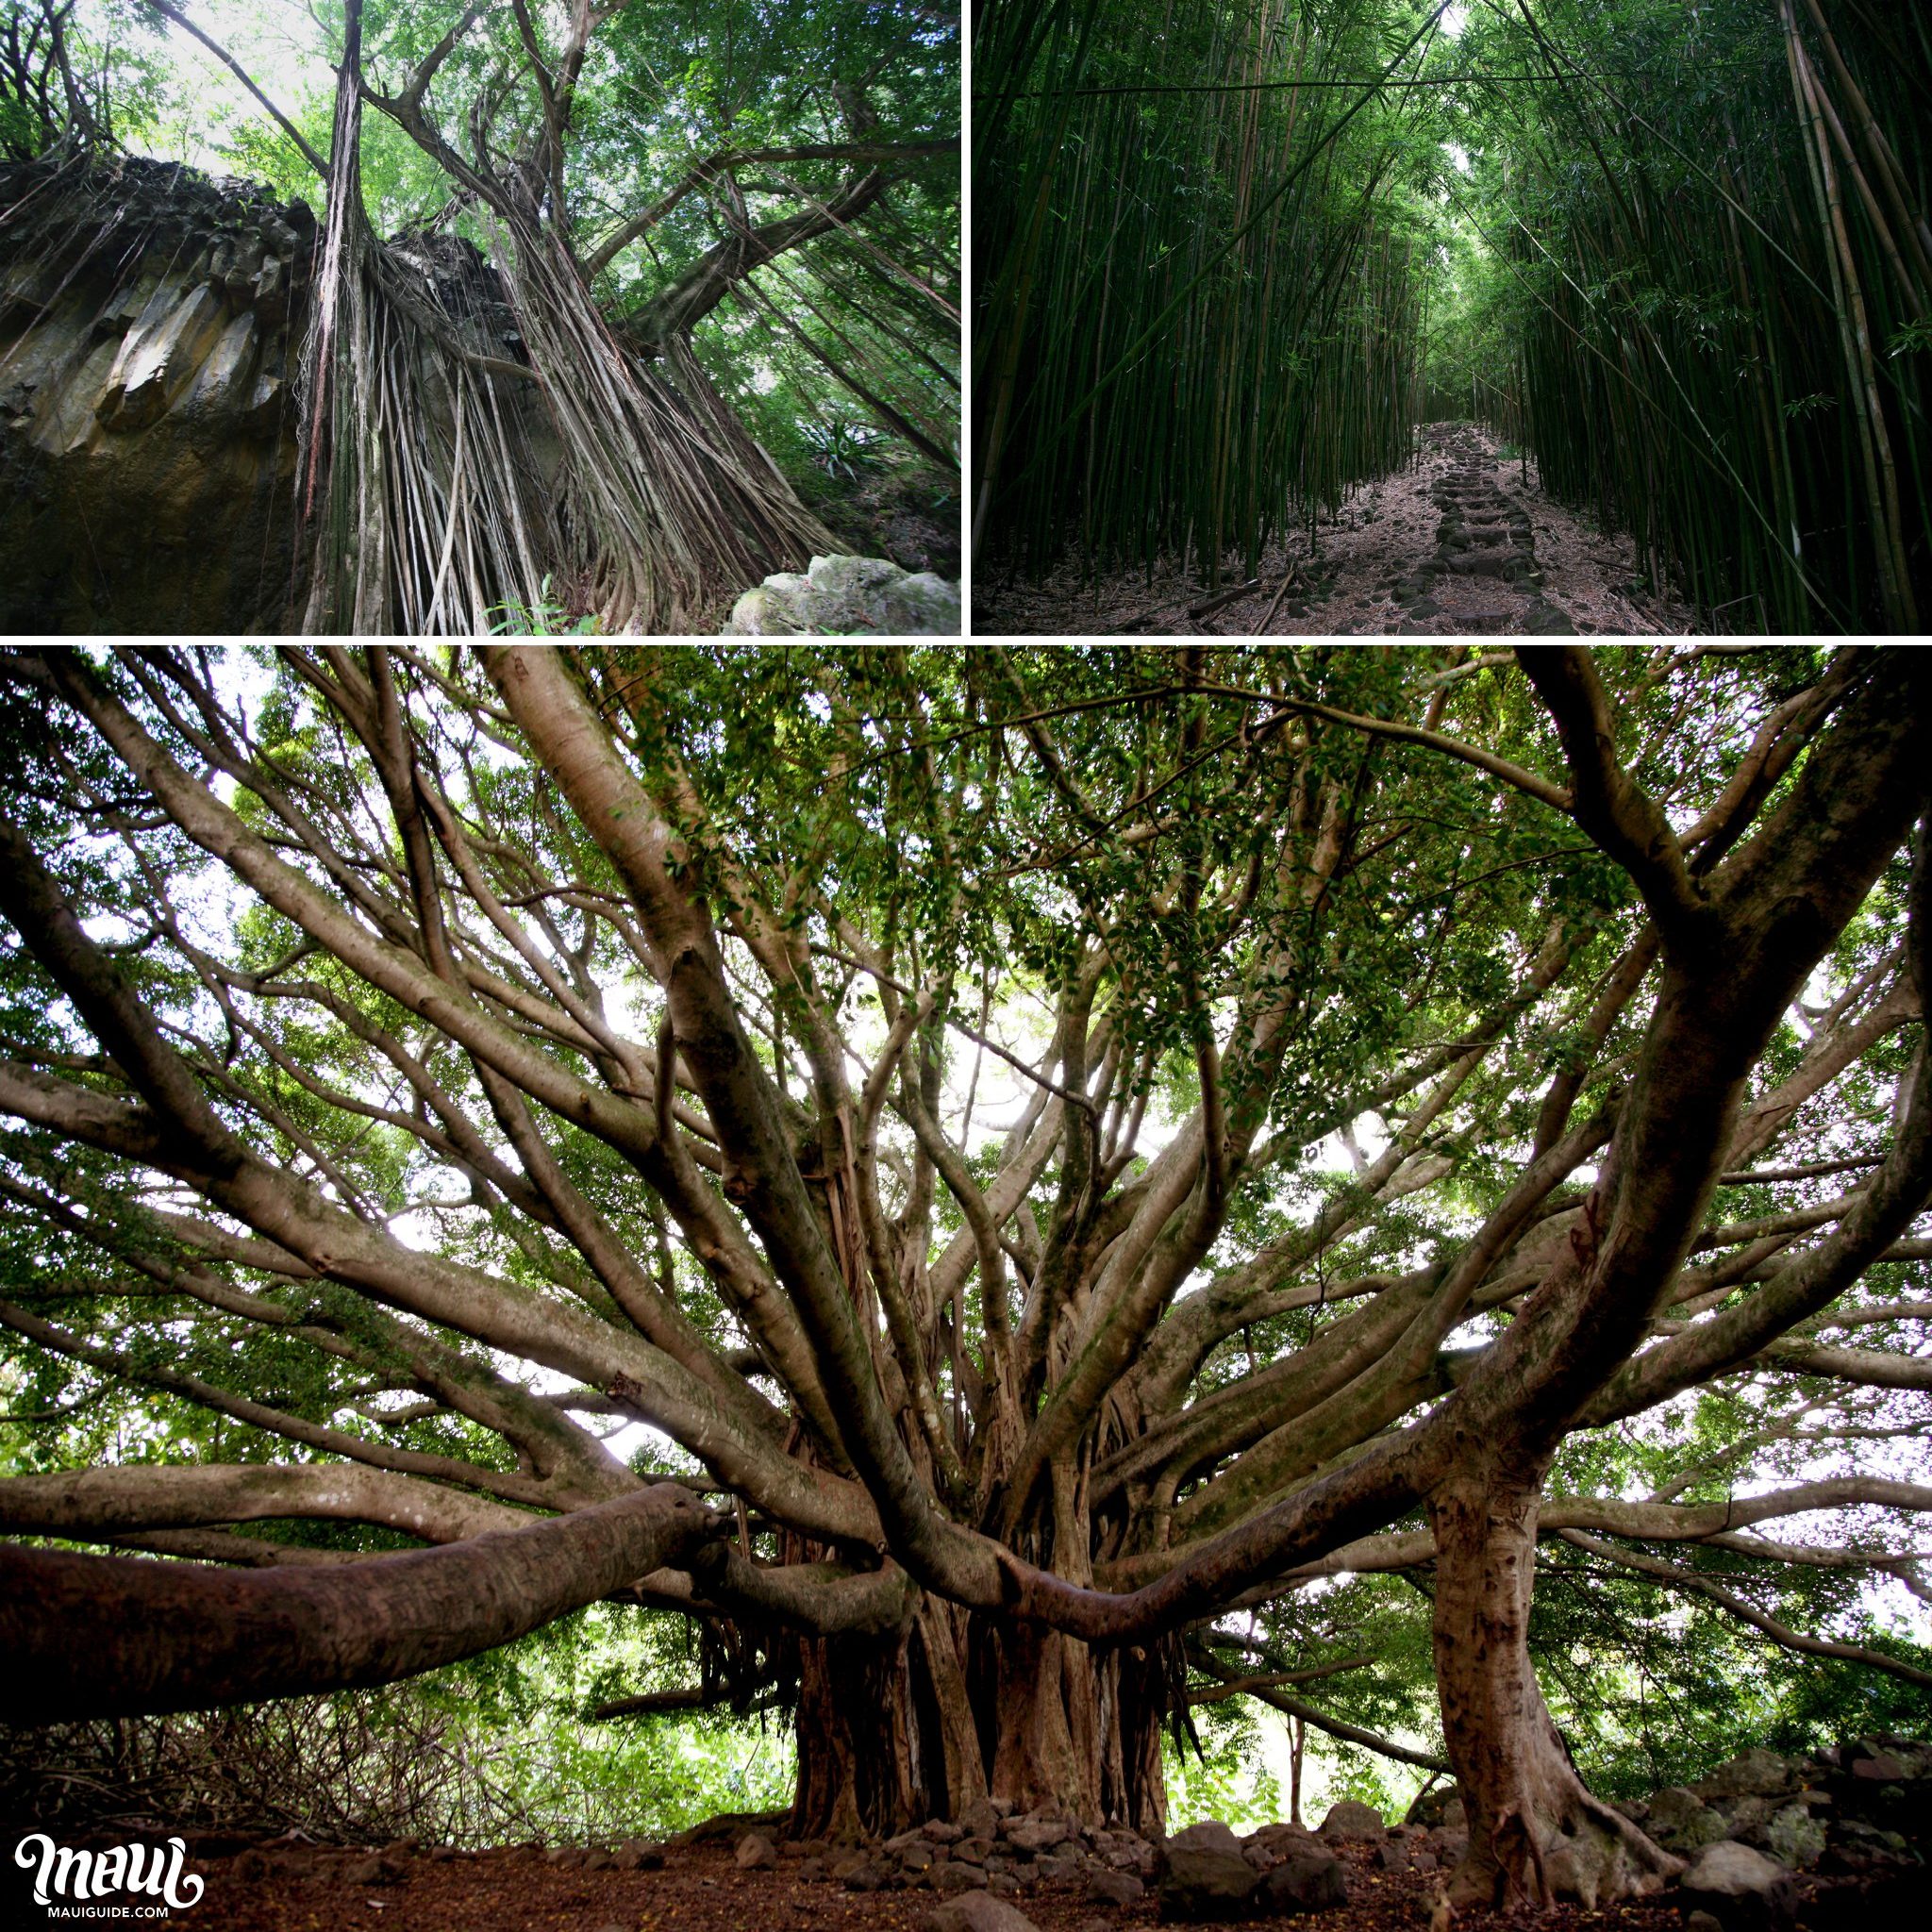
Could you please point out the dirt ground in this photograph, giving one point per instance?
(700, 1889)
(1463, 544)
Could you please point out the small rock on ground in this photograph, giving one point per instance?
(976, 1911)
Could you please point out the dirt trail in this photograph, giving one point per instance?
(702, 1889)
(1459, 545)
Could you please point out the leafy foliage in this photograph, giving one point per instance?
(1247, 830)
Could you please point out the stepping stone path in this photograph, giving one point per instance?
(1485, 539)
(1460, 543)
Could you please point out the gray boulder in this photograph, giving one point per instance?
(1271, 1843)
(1209, 1834)
(1431, 1806)
(1035, 1833)
(1743, 1890)
(1110, 1888)
(1753, 1773)
(976, 1911)
(847, 596)
(1794, 1838)
(1350, 1820)
(1682, 1821)
(958, 1876)
(1204, 1877)
(1305, 1882)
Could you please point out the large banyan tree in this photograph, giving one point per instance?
(465, 397)
(1066, 1153)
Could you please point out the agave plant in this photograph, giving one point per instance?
(841, 447)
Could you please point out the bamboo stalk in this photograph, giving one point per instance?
(1881, 477)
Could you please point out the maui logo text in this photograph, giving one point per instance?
(153, 1869)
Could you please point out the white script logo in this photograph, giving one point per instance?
(153, 1869)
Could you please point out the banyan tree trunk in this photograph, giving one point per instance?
(1536, 1834)
(962, 1709)
(885, 1735)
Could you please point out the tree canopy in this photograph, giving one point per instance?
(1121, 1174)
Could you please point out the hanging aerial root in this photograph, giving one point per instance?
(668, 507)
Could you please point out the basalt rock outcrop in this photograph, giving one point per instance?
(150, 319)
(152, 328)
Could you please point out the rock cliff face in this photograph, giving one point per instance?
(152, 324)
(149, 323)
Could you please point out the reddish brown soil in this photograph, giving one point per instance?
(700, 1889)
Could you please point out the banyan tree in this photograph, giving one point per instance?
(1066, 1153)
(226, 411)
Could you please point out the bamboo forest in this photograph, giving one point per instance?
(1389, 316)
(424, 317)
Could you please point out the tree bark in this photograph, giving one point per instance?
(113, 1636)
(1536, 1835)
(1045, 1697)
(960, 1710)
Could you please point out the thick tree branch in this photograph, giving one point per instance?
(113, 1636)
(881, 153)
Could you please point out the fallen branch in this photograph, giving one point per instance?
(1279, 594)
(1210, 605)
(1202, 608)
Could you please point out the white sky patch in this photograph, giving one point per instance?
(280, 46)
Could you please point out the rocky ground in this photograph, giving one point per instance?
(1463, 544)
(1774, 1845)
(908, 511)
